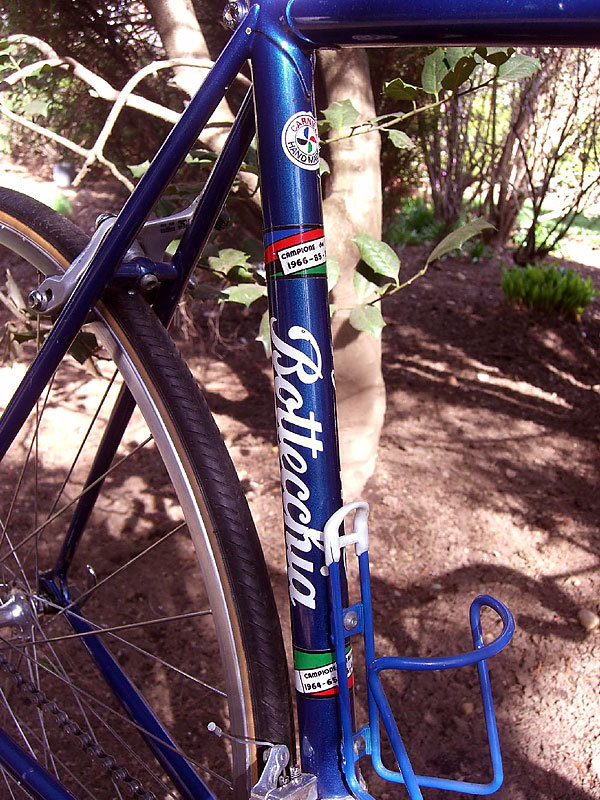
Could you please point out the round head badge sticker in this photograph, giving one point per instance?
(300, 140)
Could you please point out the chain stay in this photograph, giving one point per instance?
(69, 727)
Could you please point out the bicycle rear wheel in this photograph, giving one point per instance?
(180, 590)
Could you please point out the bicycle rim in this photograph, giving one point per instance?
(201, 649)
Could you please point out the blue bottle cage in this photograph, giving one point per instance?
(358, 619)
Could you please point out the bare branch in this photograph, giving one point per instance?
(102, 89)
(56, 137)
(26, 72)
(125, 98)
(33, 41)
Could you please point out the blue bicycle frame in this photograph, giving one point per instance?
(279, 38)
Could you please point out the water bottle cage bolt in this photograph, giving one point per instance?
(358, 620)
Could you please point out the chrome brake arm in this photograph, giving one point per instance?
(157, 234)
(274, 786)
(54, 291)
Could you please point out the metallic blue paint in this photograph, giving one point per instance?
(280, 35)
(29, 773)
(364, 23)
(209, 207)
(291, 202)
(379, 708)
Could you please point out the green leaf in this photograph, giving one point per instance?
(323, 167)
(333, 272)
(400, 140)
(24, 336)
(137, 170)
(240, 275)
(454, 54)
(62, 204)
(367, 319)
(37, 108)
(341, 114)
(434, 70)
(495, 55)
(461, 72)
(264, 333)
(397, 89)
(14, 292)
(200, 157)
(362, 286)
(518, 66)
(227, 259)
(457, 238)
(378, 255)
(84, 346)
(246, 293)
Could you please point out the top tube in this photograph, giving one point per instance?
(364, 23)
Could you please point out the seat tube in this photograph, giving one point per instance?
(303, 378)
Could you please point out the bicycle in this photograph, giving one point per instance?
(114, 295)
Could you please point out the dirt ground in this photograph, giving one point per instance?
(486, 482)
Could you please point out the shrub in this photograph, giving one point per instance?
(556, 291)
(413, 223)
(477, 249)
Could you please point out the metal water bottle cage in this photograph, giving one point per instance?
(358, 619)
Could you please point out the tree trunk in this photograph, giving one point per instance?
(353, 204)
(182, 36)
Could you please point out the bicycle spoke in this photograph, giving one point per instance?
(111, 632)
(34, 736)
(93, 700)
(89, 592)
(11, 509)
(58, 664)
(83, 443)
(8, 786)
(16, 722)
(127, 626)
(72, 502)
(32, 668)
(165, 534)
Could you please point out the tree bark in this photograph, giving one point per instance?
(182, 37)
(353, 204)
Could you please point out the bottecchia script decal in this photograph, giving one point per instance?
(299, 442)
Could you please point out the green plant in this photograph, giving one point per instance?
(556, 291)
(477, 249)
(377, 274)
(413, 223)
(62, 204)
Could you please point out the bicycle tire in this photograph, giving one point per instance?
(216, 513)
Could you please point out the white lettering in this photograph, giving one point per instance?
(297, 431)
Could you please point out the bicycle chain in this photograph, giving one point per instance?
(69, 727)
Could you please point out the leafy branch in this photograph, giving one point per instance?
(447, 72)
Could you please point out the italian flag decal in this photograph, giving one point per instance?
(303, 251)
(316, 673)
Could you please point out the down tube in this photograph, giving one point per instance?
(304, 384)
